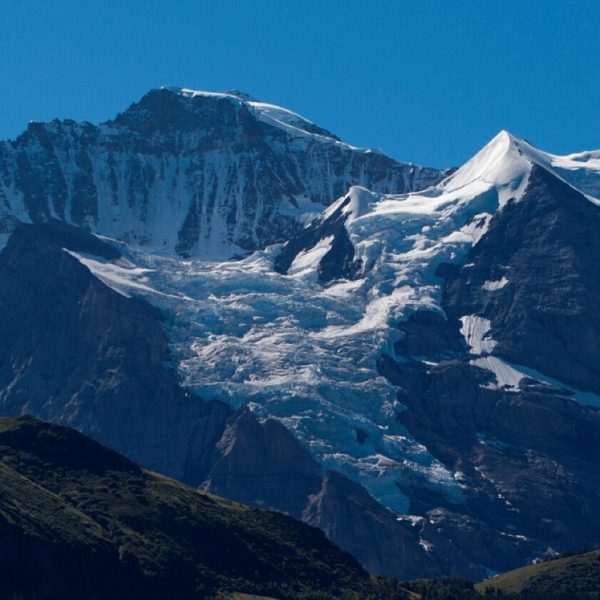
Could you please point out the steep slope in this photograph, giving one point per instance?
(76, 352)
(546, 242)
(199, 173)
(262, 464)
(78, 520)
(352, 518)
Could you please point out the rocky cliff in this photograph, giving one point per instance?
(76, 352)
(196, 173)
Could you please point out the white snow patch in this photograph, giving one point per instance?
(307, 262)
(509, 375)
(588, 398)
(492, 286)
(506, 376)
(120, 278)
(476, 331)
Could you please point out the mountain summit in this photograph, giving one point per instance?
(190, 173)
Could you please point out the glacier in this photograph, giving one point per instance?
(307, 353)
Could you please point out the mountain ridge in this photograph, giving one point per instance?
(203, 174)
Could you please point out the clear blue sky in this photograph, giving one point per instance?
(425, 81)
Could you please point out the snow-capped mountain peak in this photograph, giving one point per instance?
(356, 203)
(191, 172)
(270, 114)
(503, 163)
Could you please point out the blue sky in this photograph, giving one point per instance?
(425, 81)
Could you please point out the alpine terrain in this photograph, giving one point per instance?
(229, 295)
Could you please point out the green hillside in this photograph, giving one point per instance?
(576, 576)
(80, 521)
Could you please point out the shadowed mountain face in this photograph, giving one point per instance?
(262, 464)
(75, 352)
(528, 455)
(78, 520)
(547, 315)
(196, 173)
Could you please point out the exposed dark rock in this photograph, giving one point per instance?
(338, 262)
(361, 435)
(75, 352)
(428, 333)
(262, 464)
(353, 519)
(547, 316)
(528, 461)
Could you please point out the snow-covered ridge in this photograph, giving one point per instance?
(175, 175)
(274, 115)
(506, 160)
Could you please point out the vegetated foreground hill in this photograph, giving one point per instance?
(576, 576)
(80, 521)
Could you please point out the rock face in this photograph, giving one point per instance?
(262, 464)
(75, 352)
(544, 308)
(352, 518)
(327, 239)
(196, 173)
(524, 446)
(526, 458)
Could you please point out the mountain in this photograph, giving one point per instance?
(74, 351)
(197, 173)
(365, 337)
(413, 373)
(79, 520)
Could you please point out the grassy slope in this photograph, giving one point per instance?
(67, 503)
(571, 576)
(80, 521)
